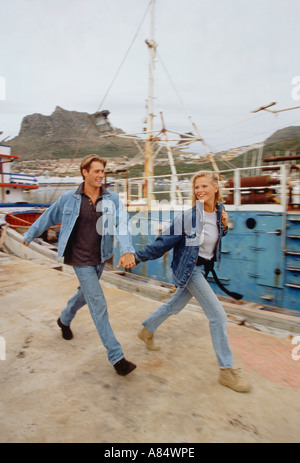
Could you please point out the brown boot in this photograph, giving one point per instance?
(233, 379)
(148, 338)
(66, 330)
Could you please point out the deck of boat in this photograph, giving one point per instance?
(66, 391)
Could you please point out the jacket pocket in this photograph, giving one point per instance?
(193, 239)
(67, 212)
(66, 217)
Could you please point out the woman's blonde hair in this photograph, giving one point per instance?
(214, 178)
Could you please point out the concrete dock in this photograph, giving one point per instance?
(57, 391)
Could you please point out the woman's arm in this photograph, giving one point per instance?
(162, 244)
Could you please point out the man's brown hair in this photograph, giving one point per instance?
(87, 161)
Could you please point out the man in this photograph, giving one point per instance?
(90, 216)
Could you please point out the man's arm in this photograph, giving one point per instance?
(52, 216)
(123, 231)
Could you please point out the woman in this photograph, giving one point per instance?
(195, 237)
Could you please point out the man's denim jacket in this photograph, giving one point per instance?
(184, 236)
(114, 221)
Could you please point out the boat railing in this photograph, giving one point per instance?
(19, 179)
(281, 188)
(278, 188)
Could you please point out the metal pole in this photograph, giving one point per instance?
(149, 171)
(283, 182)
(209, 154)
(237, 186)
(174, 178)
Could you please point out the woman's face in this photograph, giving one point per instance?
(205, 190)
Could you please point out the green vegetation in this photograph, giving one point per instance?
(63, 135)
(290, 144)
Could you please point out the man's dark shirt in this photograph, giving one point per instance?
(84, 244)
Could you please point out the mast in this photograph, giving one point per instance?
(149, 171)
(174, 178)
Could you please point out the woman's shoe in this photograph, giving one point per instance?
(148, 338)
(233, 379)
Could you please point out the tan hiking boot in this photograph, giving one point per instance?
(148, 338)
(233, 379)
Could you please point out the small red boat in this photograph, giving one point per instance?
(21, 221)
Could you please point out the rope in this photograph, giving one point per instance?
(173, 84)
(125, 57)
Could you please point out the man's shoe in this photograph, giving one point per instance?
(148, 338)
(123, 367)
(233, 379)
(66, 330)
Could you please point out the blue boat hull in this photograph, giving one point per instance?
(260, 257)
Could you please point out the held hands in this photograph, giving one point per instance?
(127, 261)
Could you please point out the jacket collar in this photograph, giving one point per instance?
(80, 190)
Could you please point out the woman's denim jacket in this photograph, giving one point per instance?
(184, 235)
(114, 221)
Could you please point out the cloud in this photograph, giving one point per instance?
(225, 57)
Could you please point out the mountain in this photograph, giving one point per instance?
(283, 134)
(62, 134)
(283, 140)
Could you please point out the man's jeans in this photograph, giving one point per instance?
(199, 288)
(91, 293)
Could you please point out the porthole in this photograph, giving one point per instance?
(250, 223)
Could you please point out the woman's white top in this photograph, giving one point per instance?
(211, 235)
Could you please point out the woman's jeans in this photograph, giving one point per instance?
(201, 290)
(91, 293)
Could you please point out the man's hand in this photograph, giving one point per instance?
(25, 244)
(127, 261)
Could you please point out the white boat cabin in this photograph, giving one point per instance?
(12, 185)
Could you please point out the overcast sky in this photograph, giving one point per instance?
(225, 58)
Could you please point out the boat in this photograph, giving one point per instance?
(261, 253)
(16, 213)
(21, 221)
(13, 185)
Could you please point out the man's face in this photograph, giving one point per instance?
(95, 175)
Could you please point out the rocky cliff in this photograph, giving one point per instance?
(61, 134)
(64, 133)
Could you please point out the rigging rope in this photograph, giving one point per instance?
(125, 57)
(173, 84)
(83, 138)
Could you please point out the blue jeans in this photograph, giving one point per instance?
(213, 309)
(91, 293)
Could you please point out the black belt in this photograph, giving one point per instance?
(209, 267)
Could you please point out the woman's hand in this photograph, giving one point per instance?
(224, 218)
